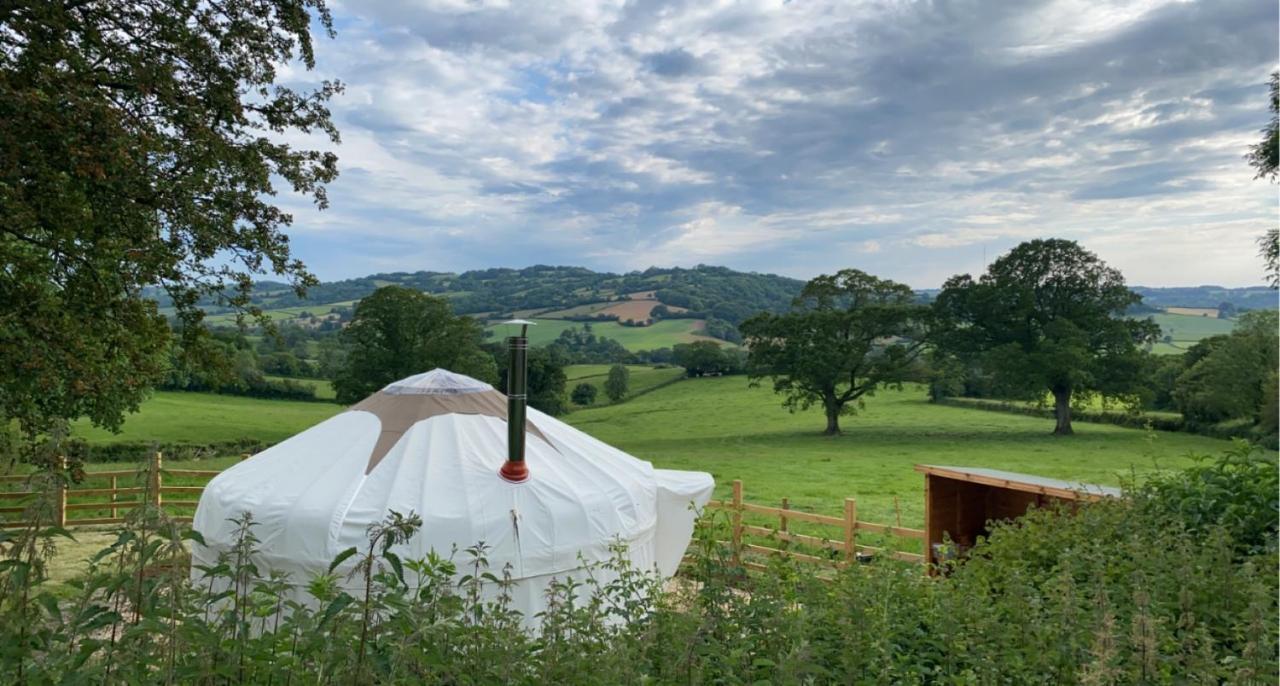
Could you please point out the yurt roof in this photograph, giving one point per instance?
(406, 402)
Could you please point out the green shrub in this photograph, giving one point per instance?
(1238, 491)
(583, 394)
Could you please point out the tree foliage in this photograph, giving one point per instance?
(618, 383)
(1228, 377)
(582, 346)
(141, 145)
(846, 335)
(1048, 316)
(705, 358)
(398, 332)
(545, 382)
(1265, 158)
(583, 394)
(1265, 154)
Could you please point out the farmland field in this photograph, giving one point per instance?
(1211, 312)
(1186, 330)
(732, 431)
(200, 418)
(282, 313)
(663, 334)
(642, 378)
(636, 309)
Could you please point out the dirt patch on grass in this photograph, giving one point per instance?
(637, 310)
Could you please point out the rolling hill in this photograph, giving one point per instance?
(712, 292)
(664, 306)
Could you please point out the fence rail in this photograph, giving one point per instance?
(842, 549)
(845, 546)
(124, 490)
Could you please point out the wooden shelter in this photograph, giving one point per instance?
(960, 501)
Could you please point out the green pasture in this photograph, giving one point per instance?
(724, 427)
(662, 334)
(201, 418)
(282, 313)
(642, 378)
(1186, 330)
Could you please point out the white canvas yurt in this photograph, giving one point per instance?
(435, 443)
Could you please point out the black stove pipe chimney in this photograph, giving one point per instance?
(514, 469)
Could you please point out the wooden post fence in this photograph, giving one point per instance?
(60, 518)
(737, 521)
(123, 491)
(836, 552)
(156, 498)
(850, 530)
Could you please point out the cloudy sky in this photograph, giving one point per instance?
(907, 139)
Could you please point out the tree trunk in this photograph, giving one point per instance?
(833, 418)
(1062, 411)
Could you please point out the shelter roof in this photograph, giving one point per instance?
(1058, 488)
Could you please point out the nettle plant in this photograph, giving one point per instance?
(1173, 585)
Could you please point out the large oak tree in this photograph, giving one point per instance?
(1048, 316)
(846, 335)
(398, 332)
(1264, 156)
(142, 143)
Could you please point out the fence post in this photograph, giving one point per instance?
(114, 497)
(737, 521)
(782, 518)
(156, 462)
(61, 517)
(850, 529)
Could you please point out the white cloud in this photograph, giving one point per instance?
(763, 133)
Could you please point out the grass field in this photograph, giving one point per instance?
(663, 334)
(282, 313)
(643, 378)
(723, 427)
(200, 418)
(1185, 330)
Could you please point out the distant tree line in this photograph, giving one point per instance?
(710, 292)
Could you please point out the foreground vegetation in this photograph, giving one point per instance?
(1171, 586)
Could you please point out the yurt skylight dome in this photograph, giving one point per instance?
(436, 382)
